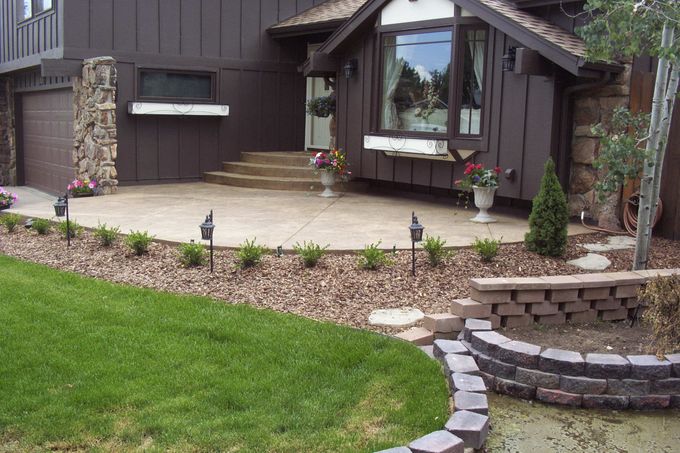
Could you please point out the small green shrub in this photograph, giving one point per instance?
(73, 227)
(487, 248)
(41, 226)
(371, 257)
(106, 236)
(436, 252)
(310, 252)
(549, 217)
(139, 242)
(10, 221)
(192, 254)
(250, 254)
(662, 294)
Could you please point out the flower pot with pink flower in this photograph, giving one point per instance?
(82, 187)
(483, 182)
(331, 164)
(7, 199)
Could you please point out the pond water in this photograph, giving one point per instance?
(528, 427)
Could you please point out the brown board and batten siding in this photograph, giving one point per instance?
(521, 131)
(21, 40)
(255, 75)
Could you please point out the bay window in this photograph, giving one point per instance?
(431, 82)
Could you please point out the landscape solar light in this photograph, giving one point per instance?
(207, 229)
(416, 236)
(61, 210)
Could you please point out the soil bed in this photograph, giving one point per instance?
(336, 290)
(599, 337)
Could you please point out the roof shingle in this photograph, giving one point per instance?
(329, 11)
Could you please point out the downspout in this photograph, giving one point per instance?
(566, 132)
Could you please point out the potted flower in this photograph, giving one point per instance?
(483, 183)
(82, 187)
(330, 164)
(7, 199)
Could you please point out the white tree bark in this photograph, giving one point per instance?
(662, 109)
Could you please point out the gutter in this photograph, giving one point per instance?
(566, 132)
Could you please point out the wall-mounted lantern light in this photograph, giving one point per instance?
(207, 229)
(416, 236)
(350, 68)
(509, 60)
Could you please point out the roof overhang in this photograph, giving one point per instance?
(319, 64)
(575, 64)
(305, 29)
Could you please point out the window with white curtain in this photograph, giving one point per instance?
(472, 75)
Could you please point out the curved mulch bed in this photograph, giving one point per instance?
(336, 290)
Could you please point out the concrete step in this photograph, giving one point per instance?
(285, 171)
(285, 158)
(263, 182)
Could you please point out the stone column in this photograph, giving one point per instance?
(8, 150)
(95, 145)
(590, 108)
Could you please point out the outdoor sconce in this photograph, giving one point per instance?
(207, 229)
(350, 67)
(509, 60)
(416, 236)
(61, 210)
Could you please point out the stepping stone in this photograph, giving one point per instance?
(473, 428)
(395, 317)
(591, 262)
(395, 450)
(438, 442)
(416, 335)
(469, 401)
(613, 243)
(456, 363)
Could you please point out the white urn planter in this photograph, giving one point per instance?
(483, 201)
(328, 180)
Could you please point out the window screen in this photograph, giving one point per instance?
(176, 85)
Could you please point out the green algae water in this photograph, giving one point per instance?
(529, 427)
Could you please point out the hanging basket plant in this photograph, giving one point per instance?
(322, 106)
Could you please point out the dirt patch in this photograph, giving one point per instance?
(336, 290)
(599, 337)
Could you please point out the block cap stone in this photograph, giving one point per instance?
(563, 282)
(595, 280)
(491, 284)
(469, 401)
(438, 442)
(443, 347)
(471, 427)
(562, 362)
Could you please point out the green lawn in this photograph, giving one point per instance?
(89, 365)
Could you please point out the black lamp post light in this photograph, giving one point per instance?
(61, 210)
(416, 236)
(207, 229)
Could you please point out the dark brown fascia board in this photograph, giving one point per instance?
(320, 64)
(368, 10)
(548, 50)
(530, 62)
(30, 61)
(305, 29)
(535, 3)
(50, 67)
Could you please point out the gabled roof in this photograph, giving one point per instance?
(329, 14)
(554, 43)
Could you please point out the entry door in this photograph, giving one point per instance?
(317, 133)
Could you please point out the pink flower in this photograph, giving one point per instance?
(69, 187)
(457, 182)
(90, 185)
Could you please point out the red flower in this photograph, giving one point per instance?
(479, 166)
(498, 170)
(468, 170)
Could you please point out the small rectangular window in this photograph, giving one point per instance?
(415, 82)
(183, 86)
(29, 8)
(472, 74)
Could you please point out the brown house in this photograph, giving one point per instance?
(421, 87)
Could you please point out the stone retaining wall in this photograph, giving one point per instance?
(524, 370)
(95, 145)
(8, 155)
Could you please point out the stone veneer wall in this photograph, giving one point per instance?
(592, 107)
(94, 126)
(8, 155)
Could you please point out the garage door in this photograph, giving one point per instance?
(48, 139)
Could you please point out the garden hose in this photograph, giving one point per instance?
(630, 210)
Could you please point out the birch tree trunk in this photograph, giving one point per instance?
(662, 109)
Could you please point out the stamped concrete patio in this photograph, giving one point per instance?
(172, 212)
